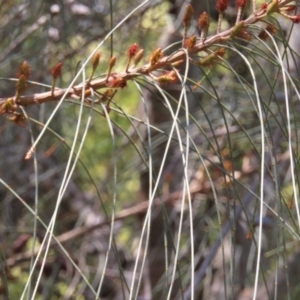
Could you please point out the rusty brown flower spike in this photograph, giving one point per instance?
(241, 3)
(155, 56)
(25, 70)
(95, 63)
(21, 85)
(190, 42)
(203, 21)
(55, 72)
(139, 55)
(187, 19)
(112, 63)
(203, 24)
(117, 83)
(95, 60)
(132, 51)
(222, 5)
(263, 34)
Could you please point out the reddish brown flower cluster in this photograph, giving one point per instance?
(21, 84)
(24, 73)
(133, 49)
(56, 70)
(263, 34)
(264, 6)
(25, 70)
(241, 3)
(155, 56)
(203, 21)
(187, 18)
(222, 5)
(190, 42)
(295, 19)
(118, 83)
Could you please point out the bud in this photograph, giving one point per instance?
(241, 3)
(95, 60)
(25, 70)
(170, 77)
(155, 56)
(139, 55)
(117, 83)
(112, 62)
(203, 21)
(132, 51)
(222, 5)
(21, 84)
(56, 70)
(190, 42)
(263, 34)
(187, 18)
(295, 19)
